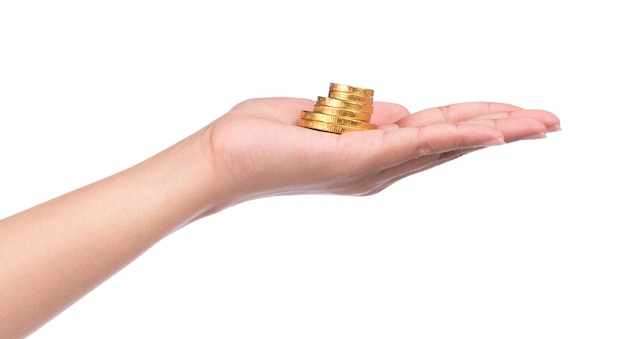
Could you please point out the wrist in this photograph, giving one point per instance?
(207, 183)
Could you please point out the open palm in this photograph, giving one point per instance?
(258, 149)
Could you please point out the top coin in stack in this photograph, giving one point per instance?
(350, 89)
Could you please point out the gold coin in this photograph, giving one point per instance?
(332, 119)
(345, 105)
(322, 126)
(342, 113)
(351, 89)
(351, 98)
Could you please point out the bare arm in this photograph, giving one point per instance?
(56, 252)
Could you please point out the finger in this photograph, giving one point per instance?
(513, 129)
(549, 120)
(454, 113)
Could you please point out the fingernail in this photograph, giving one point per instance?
(540, 135)
(554, 128)
(493, 142)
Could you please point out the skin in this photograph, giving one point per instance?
(55, 253)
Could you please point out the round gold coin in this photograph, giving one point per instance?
(351, 98)
(361, 108)
(326, 127)
(352, 89)
(342, 113)
(332, 119)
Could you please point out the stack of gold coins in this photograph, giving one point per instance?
(346, 109)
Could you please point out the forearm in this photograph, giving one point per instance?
(54, 253)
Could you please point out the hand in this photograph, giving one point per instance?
(254, 150)
(258, 150)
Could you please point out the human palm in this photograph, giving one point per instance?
(258, 149)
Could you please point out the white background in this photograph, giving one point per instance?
(524, 240)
